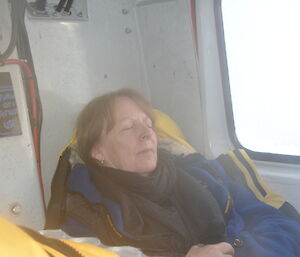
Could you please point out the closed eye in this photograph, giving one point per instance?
(128, 128)
(149, 123)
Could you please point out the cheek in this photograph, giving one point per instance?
(122, 147)
(126, 142)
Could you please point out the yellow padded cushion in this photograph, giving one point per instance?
(165, 127)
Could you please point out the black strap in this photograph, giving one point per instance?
(56, 244)
(57, 203)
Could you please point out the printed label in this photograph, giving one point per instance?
(9, 118)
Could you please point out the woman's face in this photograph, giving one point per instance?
(131, 144)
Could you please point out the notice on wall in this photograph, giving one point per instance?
(9, 118)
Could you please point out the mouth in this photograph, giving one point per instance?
(149, 150)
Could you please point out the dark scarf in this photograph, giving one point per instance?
(169, 211)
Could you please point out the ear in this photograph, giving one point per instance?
(97, 152)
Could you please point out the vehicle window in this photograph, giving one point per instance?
(262, 42)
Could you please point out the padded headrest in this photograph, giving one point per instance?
(165, 127)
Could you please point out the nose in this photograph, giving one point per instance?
(145, 132)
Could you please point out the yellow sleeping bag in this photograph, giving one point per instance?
(18, 242)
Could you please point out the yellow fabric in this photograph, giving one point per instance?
(72, 141)
(270, 198)
(165, 127)
(248, 178)
(15, 242)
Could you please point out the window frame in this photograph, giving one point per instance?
(260, 156)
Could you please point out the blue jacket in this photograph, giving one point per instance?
(262, 230)
(255, 228)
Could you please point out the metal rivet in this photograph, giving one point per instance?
(128, 30)
(15, 209)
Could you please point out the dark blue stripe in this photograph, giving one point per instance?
(251, 172)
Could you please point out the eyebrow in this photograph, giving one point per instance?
(129, 118)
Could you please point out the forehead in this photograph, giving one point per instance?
(124, 107)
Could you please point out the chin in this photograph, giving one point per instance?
(147, 167)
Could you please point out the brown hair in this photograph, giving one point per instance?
(97, 116)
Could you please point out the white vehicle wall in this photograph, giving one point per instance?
(148, 45)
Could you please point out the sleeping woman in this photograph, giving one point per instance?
(129, 192)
